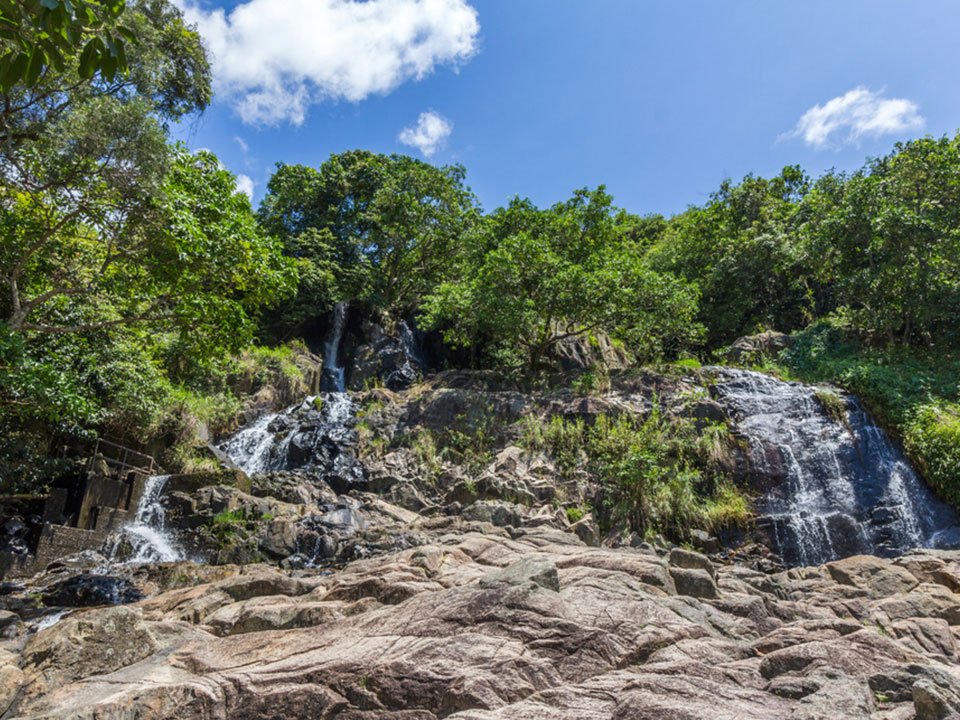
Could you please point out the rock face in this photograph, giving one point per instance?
(476, 589)
(833, 483)
(480, 622)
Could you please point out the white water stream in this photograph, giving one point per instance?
(147, 535)
(833, 488)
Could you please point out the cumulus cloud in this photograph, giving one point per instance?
(859, 113)
(245, 185)
(274, 58)
(430, 133)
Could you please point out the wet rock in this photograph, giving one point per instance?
(403, 377)
(91, 590)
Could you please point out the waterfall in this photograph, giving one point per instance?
(832, 488)
(315, 433)
(147, 535)
(333, 373)
(256, 447)
(410, 343)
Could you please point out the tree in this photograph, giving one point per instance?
(39, 34)
(888, 238)
(385, 227)
(535, 277)
(84, 180)
(744, 252)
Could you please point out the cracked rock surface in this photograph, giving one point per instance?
(484, 622)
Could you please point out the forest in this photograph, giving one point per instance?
(137, 282)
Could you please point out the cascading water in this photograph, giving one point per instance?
(262, 446)
(411, 344)
(147, 535)
(316, 433)
(333, 372)
(832, 488)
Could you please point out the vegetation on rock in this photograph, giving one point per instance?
(136, 279)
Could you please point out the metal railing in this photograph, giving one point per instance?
(121, 458)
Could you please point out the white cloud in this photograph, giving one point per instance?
(274, 58)
(243, 145)
(859, 113)
(245, 185)
(430, 133)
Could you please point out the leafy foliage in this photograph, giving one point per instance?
(657, 473)
(39, 34)
(888, 239)
(376, 228)
(531, 278)
(743, 251)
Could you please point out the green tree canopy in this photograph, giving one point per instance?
(888, 238)
(39, 34)
(532, 278)
(85, 176)
(743, 251)
(372, 227)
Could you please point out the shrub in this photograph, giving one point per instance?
(574, 514)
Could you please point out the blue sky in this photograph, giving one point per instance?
(659, 101)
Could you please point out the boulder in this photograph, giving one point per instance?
(750, 348)
(693, 582)
(691, 560)
(91, 643)
(880, 578)
(539, 571)
(495, 512)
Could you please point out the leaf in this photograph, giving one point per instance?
(88, 59)
(15, 70)
(128, 34)
(108, 67)
(34, 68)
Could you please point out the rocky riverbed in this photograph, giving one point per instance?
(455, 582)
(487, 622)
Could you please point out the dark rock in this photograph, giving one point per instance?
(91, 590)
(495, 512)
(705, 541)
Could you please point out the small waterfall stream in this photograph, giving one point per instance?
(333, 371)
(831, 489)
(147, 535)
(317, 432)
